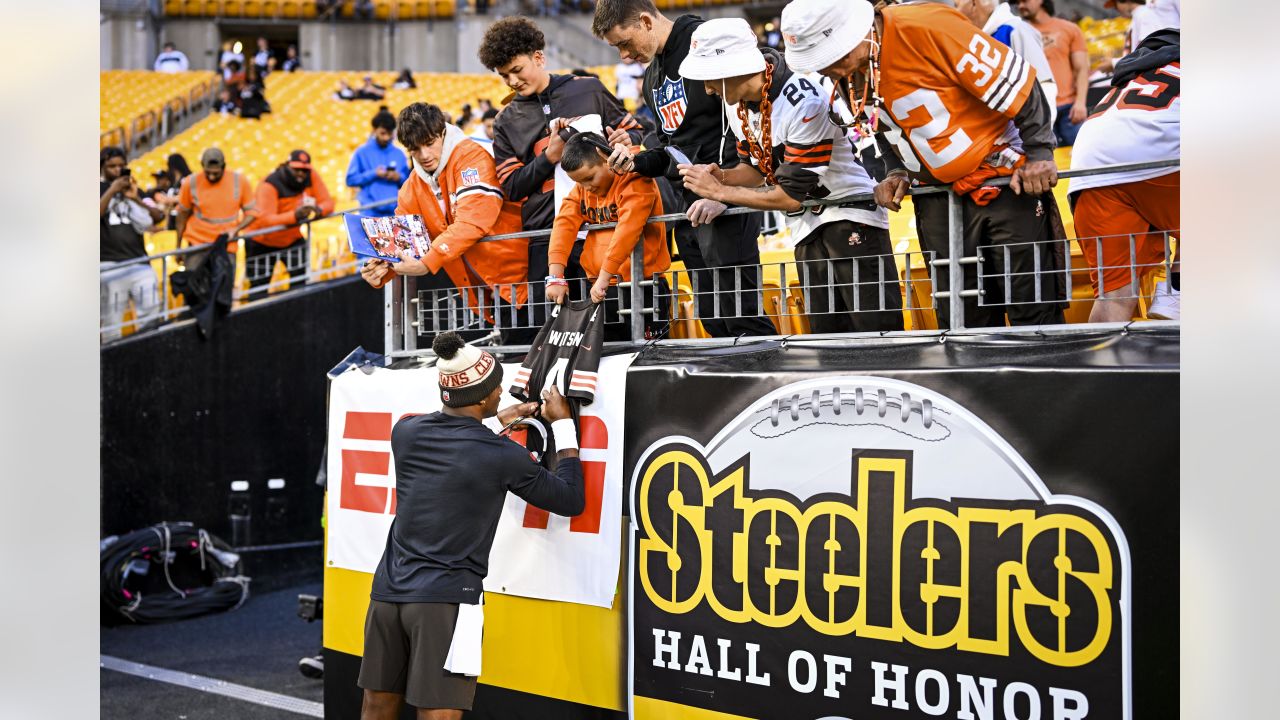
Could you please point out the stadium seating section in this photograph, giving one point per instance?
(128, 94)
(382, 9)
(306, 115)
(306, 9)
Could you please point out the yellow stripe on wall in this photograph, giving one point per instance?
(561, 650)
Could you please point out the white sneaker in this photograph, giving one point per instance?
(1166, 303)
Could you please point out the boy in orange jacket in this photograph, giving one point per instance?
(601, 196)
(454, 187)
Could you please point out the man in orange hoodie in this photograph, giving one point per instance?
(291, 194)
(454, 187)
(601, 196)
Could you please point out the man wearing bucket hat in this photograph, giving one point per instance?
(789, 153)
(942, 94)
(452, 478)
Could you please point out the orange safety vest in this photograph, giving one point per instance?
(215, 207)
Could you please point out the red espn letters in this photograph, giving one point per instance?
(381, 500)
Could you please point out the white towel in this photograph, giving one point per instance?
(464, 650)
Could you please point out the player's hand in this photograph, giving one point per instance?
(554, 406)
(1079, 111)
(701, 179)
(890, 192)
(557, 293)
(508, 415)
(409, 265)
(600, 289)
(375, 272)
(621, 160)
(1034, 178)
(703, 211)
(617, 137)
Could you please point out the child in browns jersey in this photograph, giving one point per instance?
(601, 196)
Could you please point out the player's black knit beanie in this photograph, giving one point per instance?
(467, 374)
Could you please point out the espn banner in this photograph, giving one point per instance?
(535, 554)
(815, 536)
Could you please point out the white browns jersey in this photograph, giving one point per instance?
(812, 158)
(1137, 123)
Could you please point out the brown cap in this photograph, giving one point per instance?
(300, 159)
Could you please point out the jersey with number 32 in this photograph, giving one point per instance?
(950, 88)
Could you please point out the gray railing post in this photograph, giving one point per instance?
(637, 291)
(955, 250)
(392, 305)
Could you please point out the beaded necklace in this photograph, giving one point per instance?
(762, 151)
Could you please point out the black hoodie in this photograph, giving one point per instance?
(687, 116)
(521, 133)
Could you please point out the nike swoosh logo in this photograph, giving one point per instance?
(805, 120)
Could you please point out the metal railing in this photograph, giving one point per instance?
(151, 305)
(663, 300)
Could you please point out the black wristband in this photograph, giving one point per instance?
(652, 163)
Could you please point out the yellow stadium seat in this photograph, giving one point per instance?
(382, 9)
(271, 8)
(291, 8)
(252, 8)
(405, 10)
(173, 8)
(444, 9)
(349, 8)
(191, 8)
(211, 8)
(232, 8)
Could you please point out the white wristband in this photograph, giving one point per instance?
(565, 434)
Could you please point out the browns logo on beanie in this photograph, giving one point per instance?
(467, 374)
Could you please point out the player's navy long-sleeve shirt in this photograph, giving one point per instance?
(452, 477)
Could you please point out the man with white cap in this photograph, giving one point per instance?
(789, 153)
(942, 93)
(452, 478)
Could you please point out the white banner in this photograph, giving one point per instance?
(535, 553)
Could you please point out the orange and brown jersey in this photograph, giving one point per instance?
(950, 89)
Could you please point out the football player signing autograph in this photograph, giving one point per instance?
(422, 634)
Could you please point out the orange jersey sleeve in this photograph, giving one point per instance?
(477, 199)
(324, 201)
(637, 199)
(564, 230)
